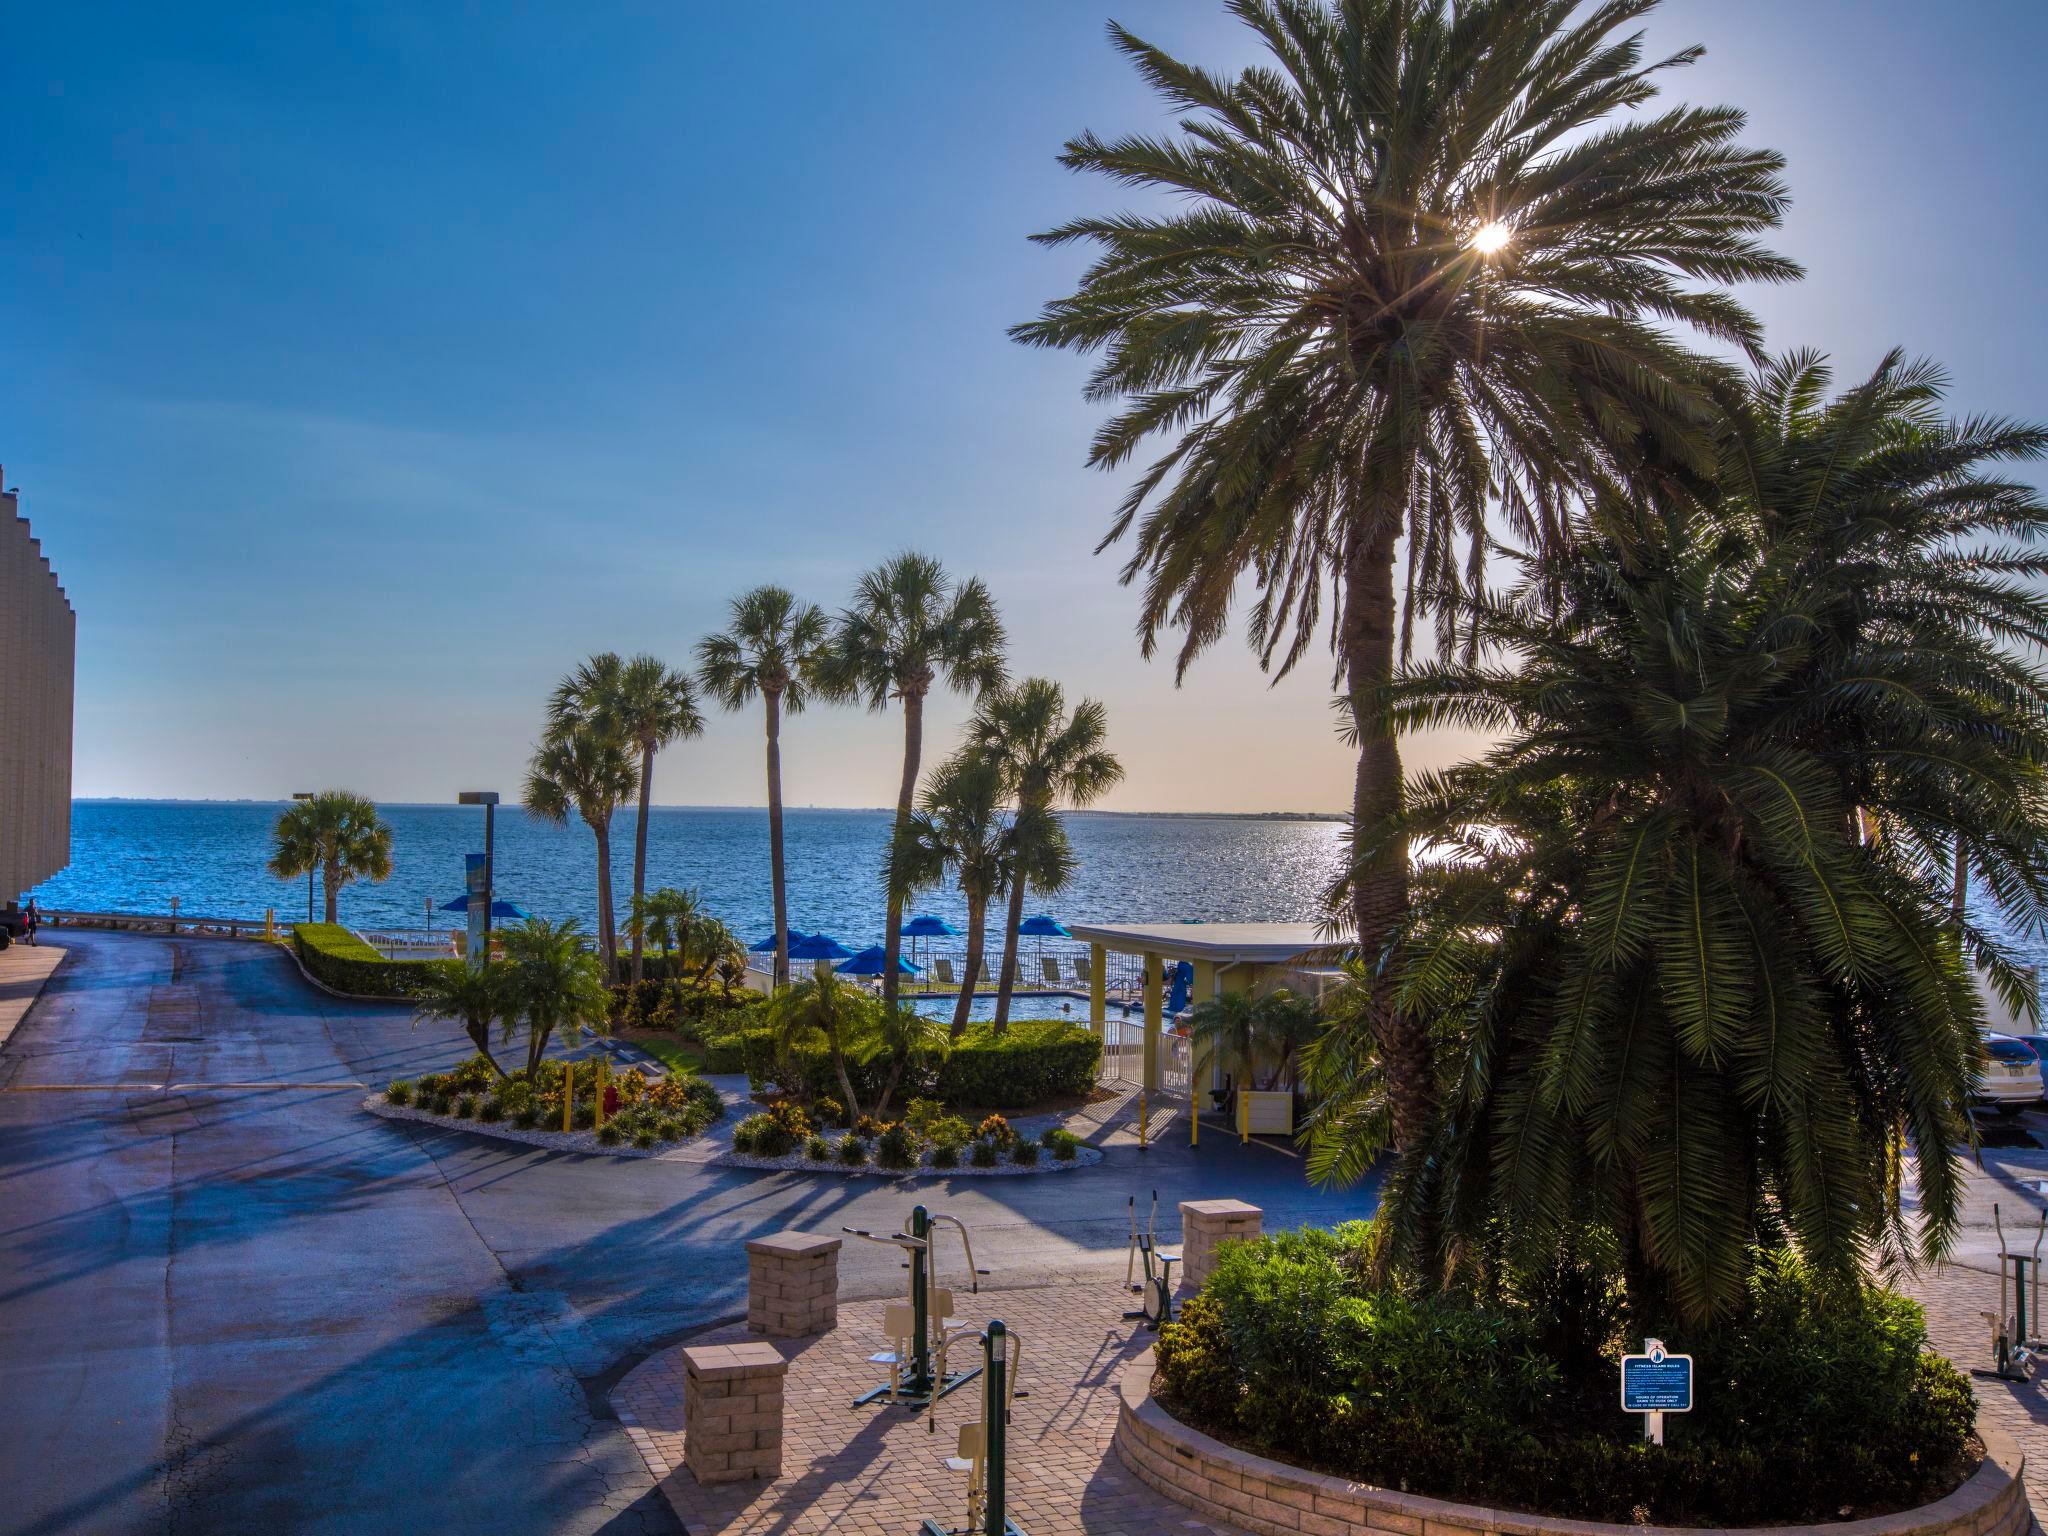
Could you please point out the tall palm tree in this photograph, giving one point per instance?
(911, 626)
(1048, 758)
(1688, 998)
(552, 984)
(651, 706)
(772, 647)
(337, 833)
(472, 996)
(1413, 262)
(960, 831)
(587, 769)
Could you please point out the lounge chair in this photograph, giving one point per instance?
(987, 976)
(1082, 965)
(1049, 967)
(943, 968)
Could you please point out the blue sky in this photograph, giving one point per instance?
(363, 366)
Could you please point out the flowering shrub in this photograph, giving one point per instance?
(996, 1131)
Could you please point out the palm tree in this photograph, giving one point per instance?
(1414, 262)
(1048, 758)
(552, 984)
(337, 833)
(587, 769)
(1684, 996)
(649, 705)
(961, 831)
(825, 1009)
(663, 919)
(473, 997)
(712, 945)
(1241, 1033)
(911, 625)
(772, 647)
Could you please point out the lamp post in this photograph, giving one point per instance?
(307, 794)
(488, 799)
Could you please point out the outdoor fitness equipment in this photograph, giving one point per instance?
(917, 1330)
(982, 1450)
(2014, 1352)
(1155, 1308)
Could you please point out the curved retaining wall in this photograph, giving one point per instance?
(1274, 1499)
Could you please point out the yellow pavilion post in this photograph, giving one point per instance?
(1098, 988)
(1155, 1009)
(568, 1096)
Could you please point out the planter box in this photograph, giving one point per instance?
(1263, 1113)
(1254, 1493)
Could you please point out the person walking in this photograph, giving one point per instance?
(32, 919)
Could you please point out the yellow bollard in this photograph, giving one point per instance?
(1141, 1119)
(270, 923)
(1194, 1108)
(598, 1069)
(1244, 1117)
(568, 1095)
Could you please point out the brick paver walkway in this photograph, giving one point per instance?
(878, 1470)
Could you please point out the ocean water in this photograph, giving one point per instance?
(134, 856)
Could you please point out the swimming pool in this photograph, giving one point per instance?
(1064, 1006)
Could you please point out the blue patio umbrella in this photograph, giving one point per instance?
(873, 961)
(500, 907)
(928, 927)
(767, 946)
(819, 946)
(1041, 928)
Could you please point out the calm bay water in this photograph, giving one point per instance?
(134, 856)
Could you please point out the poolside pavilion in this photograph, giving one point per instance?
(1226, 957)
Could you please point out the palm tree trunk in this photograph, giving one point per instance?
(977, 942)
(330, 887)
(607, 940)
(1006, 979)
(906, 795)
(640, 851)
(1961, 899)
(1379, 892)
(774, 706)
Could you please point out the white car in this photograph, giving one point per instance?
(2010, 1078)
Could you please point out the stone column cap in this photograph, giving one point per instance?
(1218, 1208)
(793, 1245)
(717, 1361)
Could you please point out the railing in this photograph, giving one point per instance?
(163, 922)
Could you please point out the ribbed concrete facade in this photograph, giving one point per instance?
(38, 649)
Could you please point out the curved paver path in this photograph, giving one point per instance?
(231, 1304)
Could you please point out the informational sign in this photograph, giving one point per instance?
(476, 882)
(1655, 1383)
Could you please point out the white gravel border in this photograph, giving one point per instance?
(585, 1143)
(798, 1162)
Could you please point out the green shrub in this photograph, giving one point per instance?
(644, 1139)
(1062, 1143)
(1815, 1396)
(609, 1134)
(853, 1151)
(1035, 1060)
(763, 1136)
(526, 1117)
(400, 1092)
(867, 1127)
(997, 1130)
(583, 1116)
(489, 1109)
(945, 1155)
(750, 1050)
(344, 962)
(921, 1115)
(434, 1103)
(465, 1106)
(896, 1147)
(950, 1131)
(1025, 1153)
(828, 1110)
(818, 1150)
(986, 1154)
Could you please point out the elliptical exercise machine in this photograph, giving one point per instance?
(2015, 1353)
(982, 1449)
(916, 1328)
(1155, 1307)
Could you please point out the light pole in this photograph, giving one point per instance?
(488, 799)
(307, 794)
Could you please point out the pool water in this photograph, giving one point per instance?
(1067, 1006)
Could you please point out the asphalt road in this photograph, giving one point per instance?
(233, 1301)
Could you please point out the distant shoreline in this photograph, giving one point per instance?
(792, 810)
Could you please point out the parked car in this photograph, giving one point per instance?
(2011, 1077)
(2040, 1045)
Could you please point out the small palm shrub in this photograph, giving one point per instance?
(818, 1149)
(1025, 1153)
(985, 1154)
(609, 1134)
(1062, 1143)
(896, 1147)
(853, 1152)
(526, 1117)
(400, 1092)
(643, 1139)
(945, 1156)
(489, 1109)
(465, 1106)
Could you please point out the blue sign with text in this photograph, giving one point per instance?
(1656, 1383)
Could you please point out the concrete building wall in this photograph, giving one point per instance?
(38, 652)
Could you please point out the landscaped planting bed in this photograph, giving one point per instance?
(927, 1140)
(644, 1115)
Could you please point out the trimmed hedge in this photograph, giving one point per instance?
(347, 964)
(1037, 1060)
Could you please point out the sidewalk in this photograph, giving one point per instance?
(23, 970)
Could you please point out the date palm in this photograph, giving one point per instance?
(1693, 954)
(472, 996)
(1048, 759)
(961, 831)
(552, 985)
(713, 945)
(910, 627)
(1415, 263)
(337, 833)
(663, 919)
(651, 706)
(770, 649)
(589, 770)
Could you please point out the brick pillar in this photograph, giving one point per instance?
(732, 1412)
(1206, 1223)
(792, 1285)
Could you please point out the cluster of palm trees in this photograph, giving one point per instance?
(1412, 309)
(695, 945)
(911, 627)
